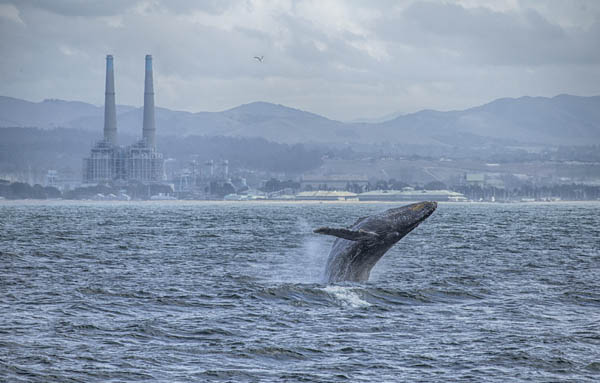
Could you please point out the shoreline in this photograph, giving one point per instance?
(58, 202)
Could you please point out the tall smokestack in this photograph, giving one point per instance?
(149, 130)
(110, 113)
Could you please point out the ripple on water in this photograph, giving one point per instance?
(233, 292)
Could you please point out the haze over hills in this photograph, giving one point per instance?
(560, 120)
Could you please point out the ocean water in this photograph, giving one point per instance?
(233, 292)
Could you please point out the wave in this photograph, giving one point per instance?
(360, 296)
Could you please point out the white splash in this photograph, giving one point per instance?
(346, 296)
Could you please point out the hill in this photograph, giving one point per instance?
(560, 120)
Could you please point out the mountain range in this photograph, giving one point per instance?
(560, 120)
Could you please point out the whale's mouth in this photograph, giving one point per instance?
(427, 209)
(419, 212)
(430, 208)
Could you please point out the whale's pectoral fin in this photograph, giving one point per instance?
(352, 235)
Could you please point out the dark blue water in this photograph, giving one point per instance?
(184, 292)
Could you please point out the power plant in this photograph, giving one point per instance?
(140, 162)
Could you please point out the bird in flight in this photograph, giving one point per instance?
(259, 58)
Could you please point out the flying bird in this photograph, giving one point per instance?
(260, 59)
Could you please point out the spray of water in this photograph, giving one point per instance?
(312, 255)
(304, 264)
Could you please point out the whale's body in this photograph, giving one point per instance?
(358, 248)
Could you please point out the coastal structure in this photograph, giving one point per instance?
(332, 182)
(325, 195)
(409, 194)
(141, 162)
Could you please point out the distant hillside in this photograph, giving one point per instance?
(561, 120)
(48, 113)
(27, 150)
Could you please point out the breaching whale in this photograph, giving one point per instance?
(358, 248)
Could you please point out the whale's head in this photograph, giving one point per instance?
(394, 224)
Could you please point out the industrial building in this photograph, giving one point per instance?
(324, 195)
(109, 162)
(335, 182)
(409, 194)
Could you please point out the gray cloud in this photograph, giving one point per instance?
(78, 7)
(340, 59)
(502, 38)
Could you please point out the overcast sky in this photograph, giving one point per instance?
(340, 59)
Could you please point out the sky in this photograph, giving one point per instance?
(342, 59)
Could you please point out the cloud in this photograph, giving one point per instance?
(11, 13)
(342, 59)
(499, 38)
(78, 7)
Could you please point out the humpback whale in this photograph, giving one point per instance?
(358, 248)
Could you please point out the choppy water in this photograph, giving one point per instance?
(184, 292)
